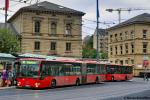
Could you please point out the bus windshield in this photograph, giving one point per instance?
(28, 69)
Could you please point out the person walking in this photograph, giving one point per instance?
(145, 77)
(10, 78)
(4, 78)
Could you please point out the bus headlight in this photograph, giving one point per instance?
(37, 84)
(19, 83)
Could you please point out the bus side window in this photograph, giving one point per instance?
(76, 70)
(61, 71)
(103, 69)
(43, 70)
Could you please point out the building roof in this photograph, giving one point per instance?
(140, 19)
(48, 7)
(10, 27)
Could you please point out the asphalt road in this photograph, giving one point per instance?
(129, 90)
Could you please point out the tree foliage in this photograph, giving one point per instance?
(89, 52)
(8, 42)
(104, 55)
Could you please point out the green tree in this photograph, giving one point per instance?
(8, 42)
(88, 51)
(103, 55)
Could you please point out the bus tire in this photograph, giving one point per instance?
(53, 84)
(97, 80)
(112, 79)
(78, 82)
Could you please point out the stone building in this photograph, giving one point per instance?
(49, 29)
(129, 42)
(102, 41)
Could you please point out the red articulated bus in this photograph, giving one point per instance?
(40, 73)
(118, 72)
(95, 72)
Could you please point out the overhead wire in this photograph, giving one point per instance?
(81, 31)
(20, 1)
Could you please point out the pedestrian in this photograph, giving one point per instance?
(0, 79)
(145, 77)
(4, 78)
(10, 78)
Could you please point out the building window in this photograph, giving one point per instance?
(121, 62)
(68, 29)
(69, 16)
(132, 47)
(111, 51)
(53, 28)
(111, 36)
(126, 48)
(53, 45)
(132, 61)
(68, 46)
(116, 50)
(116, 61)
(132, 34)
(145, 47)
(126, 35)
(121, 49)
(101, 45)
(116, 37)
(126, 61)
(37, 26)
(37, 45)
(54, 15)
(120, 36)
(144, 34)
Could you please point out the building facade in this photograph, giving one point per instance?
(49, 29)
(102, 40)
(129, 43)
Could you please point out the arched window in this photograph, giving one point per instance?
(53, 28)
(68, 29)
(37, 26)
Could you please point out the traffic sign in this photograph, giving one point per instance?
(145, 63)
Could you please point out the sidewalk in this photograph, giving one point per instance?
(139, 79)
(2, 88)
(6, 87)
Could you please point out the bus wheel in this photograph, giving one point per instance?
(53, 84)
(97, 80)
(77, 82)
(112, 79)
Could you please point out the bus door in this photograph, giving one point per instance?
(84, 73)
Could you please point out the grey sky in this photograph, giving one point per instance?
(89, 7)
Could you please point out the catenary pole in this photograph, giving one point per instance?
(97, 10)
(6, 8)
